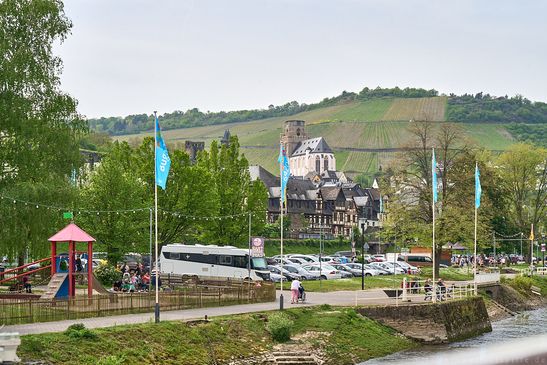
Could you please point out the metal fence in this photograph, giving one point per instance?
(19, 311)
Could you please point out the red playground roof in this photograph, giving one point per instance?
(71, 233)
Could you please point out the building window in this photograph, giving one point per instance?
(325, 164)
(317, 164)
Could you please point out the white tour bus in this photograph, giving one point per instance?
(212, 260)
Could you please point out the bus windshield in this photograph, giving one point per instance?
(259, 263)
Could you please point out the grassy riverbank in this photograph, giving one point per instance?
(345, 338)
(381, 281)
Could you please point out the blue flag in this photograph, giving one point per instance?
(434, 177)
(478, 188)
(163, 162)
(285, 171)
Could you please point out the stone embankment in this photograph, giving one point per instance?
(435, 323)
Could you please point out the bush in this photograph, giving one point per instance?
(78, 330)
(107, 274)
(279, 325)
(521, 284)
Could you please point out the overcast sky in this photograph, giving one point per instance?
(135, 56)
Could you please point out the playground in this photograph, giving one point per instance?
(70, 290)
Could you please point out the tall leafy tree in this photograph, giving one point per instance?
(116, 190)
(237, 195)
(39, 125)
(523, 177)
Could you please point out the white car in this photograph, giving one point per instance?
(298, 260)
(357, 269)
(407, 267)
(393, 269)
(308, 258)
(276, 278)
(325, 271)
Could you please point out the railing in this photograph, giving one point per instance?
(15, 273)
(541, 270)
(488, 277)
(418, 291)
(18, 311)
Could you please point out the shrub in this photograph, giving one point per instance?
(107, 274)
(279, 326)
(78, 330)
(522, 284)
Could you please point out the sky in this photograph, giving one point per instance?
(134, 56)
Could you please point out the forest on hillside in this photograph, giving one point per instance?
(195, 118)
(467, 108)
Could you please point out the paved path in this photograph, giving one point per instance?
(349, 298)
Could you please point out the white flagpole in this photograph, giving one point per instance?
(157, 306)
(434, 296)
(475, 240)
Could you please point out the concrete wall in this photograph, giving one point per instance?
(435, 323)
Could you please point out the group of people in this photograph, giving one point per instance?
(133, 280)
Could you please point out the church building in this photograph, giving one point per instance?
(306, 155)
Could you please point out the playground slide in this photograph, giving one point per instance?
(57, 287)
(97, 286)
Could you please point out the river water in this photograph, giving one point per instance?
(528, 323)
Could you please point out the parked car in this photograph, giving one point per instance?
(378, 258)
(409, 269)
(379, 268)
(356, 269)
(298, 270)
(281, 271)
(417, 259)
(276, 278)
(325, 271)
(307, 258)
(298, 260)
(392, 268)
(344, 270)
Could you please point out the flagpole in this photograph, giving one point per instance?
(434, 296)
(477, 184)
(157, 305)
(475, 252)
(281, 199)
(433, 181)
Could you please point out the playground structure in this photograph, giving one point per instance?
(62, 283)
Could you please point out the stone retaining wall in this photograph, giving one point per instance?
(435, 323)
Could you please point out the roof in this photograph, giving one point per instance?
(375, 193)
(257, 172)
(330, 192)
(314, 145)
(71, 233)
(360, 201)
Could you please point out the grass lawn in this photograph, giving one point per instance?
(351, 338)
(381, 281)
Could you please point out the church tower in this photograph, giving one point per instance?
(293, 134)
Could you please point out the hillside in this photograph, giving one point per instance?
(362, 133)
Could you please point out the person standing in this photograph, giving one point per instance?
(295, 286)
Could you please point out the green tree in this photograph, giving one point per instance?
(237, 195)
(523, 178)
(115, 187)
(40, 126)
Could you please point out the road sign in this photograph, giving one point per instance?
(366, 246)
(543, 247)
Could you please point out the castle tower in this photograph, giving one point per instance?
(293, 134)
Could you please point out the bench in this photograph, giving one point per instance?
(535, 290)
